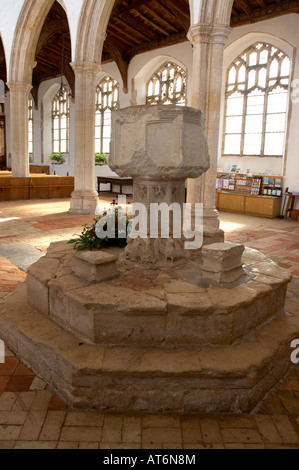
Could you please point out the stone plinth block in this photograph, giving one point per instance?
(39, 275)
(212, 235)
(94, 266)
(158, 142)
(221, 262)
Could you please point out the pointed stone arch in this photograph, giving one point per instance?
(92, 30)
(27, 32)
(26, 36)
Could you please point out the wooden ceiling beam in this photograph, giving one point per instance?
(129, 39)
(244, 5)
(170, 40)
(121, 62)
(67, 72)
(114, 37)
(272, 11)
(138, 31)
(180, 10)
(116, 4)
(112, 40)
(138, 26)
(159, 18)
(262, 3)
(2, 54)
(121, 10)
(3, 75)
(50, 59)
(53, 27)
(151, 23)
(168, 5)
(44, 76)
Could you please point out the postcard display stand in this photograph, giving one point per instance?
(249, 193)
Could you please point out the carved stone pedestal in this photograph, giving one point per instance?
(159, 147)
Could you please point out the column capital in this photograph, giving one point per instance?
(220, 33)
(199, 33)
(19, 86)
(204, 33)
(88, 67)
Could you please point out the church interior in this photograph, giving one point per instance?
(188, 102)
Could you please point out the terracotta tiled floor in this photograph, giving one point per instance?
(32, 416)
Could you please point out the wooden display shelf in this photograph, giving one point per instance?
(264, 206)
(248, 183)
(249, 194)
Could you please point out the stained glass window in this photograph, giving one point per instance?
(107, 99)
(167, 86)
(61, 121)
(257, 91)
(30, 128)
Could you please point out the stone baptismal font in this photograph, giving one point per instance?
(155, 327)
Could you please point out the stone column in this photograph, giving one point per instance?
(19, 93)
(199, 36)
(208, 46)
(84, 197)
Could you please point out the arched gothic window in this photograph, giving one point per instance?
(257, 91)
(61, 121)
(167, 86)
(30, 128)
(107, 99)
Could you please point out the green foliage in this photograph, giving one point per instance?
(89, 240)
(57, 158)
(101, 158)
